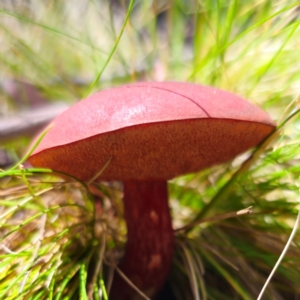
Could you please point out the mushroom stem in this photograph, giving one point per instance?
(150, 239)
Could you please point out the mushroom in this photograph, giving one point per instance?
(152, 132)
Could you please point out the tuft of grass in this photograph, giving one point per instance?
(52, 237)
(62, 239)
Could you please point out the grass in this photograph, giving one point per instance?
(56, 244)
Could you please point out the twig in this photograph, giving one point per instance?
(281, 256)
(29, 122)
(233, 214)
(131, 284)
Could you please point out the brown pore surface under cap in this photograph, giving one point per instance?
(154, 151)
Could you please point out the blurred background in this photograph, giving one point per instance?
(54, 53)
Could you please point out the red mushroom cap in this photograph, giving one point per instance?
(151, 131)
